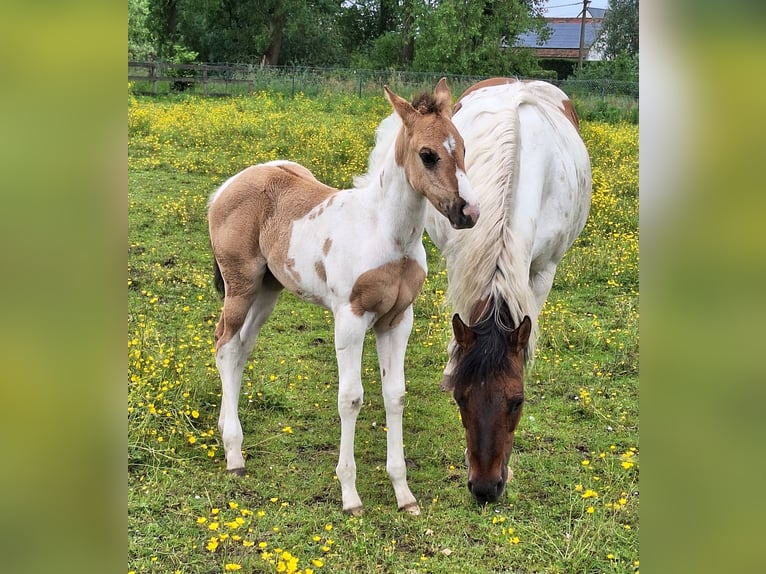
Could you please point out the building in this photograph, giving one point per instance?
(561, 50)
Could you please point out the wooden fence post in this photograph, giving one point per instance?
(153, 76)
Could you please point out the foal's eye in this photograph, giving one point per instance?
(429, 158)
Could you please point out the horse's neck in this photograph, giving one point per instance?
(398, 206)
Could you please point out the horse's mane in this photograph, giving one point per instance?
(385, 136)
(488, 354)
(486, 257)
(425, 103)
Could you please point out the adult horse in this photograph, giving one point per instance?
(532, 175)
(357, 252)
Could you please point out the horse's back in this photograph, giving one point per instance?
(530, 168)
(536, 156)
(283, 189)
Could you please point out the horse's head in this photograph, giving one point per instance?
(487, 384)
(432, 153)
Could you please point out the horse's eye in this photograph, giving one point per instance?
(429, 158)
(514, 404)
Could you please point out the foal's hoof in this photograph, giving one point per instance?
(236, 471)
(357, 512)
(412, 509)
(510, 474)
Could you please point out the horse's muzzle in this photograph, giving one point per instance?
(463, 215)
(485, 491)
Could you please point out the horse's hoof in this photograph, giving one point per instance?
(510, 474)
(412, 509)
(357, 512)
(236, 471)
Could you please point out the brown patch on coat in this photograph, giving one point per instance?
(321, 271)
(250, 224)
(387, 291)
(571, 114)
(326, 246)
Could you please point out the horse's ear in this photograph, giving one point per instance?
(401, 106)
(520, 335)
(463, 333)
(443, 98)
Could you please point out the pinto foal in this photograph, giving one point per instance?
(356, 252)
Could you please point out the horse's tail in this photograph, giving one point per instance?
(218, 278)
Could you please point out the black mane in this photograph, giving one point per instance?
(488, 356)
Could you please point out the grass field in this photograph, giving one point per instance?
(574, 500)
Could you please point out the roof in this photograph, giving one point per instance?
(565, 36)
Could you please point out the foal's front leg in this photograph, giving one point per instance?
(391, 345)
(350, 330)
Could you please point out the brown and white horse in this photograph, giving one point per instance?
(531, 172)
(357, 252)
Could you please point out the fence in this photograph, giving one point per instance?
(232, 79)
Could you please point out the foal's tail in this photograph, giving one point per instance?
(217, 278)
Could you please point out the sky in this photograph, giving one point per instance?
(570, 8)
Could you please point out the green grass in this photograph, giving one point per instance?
(582, 393)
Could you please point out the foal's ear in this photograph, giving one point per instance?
(463, 333)
(520, 335)
(401, 106)
(443, 98)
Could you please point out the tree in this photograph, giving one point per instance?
(140, 41)
(619, 31)
(470, 37)
(162, 22)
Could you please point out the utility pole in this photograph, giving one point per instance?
(582, 34)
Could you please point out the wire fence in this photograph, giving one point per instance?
(233, 79)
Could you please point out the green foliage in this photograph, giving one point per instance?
(619, 31)
(140, 40)
(622, 68)
(467, 37)
(447, 36)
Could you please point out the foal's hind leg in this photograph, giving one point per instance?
(243, 316)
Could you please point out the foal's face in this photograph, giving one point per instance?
(432, 153)
(490, 408)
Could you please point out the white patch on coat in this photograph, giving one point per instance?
(449, 144)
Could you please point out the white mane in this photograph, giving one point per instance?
(483, 257)
(385, 136)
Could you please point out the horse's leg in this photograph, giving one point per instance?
(541, 282)
(243, 317)
(349, 339)
(391, 346)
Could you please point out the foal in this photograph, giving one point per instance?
(356, 252)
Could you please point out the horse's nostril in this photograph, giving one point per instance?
(470, 486)
(499, 486)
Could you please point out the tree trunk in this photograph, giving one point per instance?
(276, 28)
(277, 19)
(408, 40)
